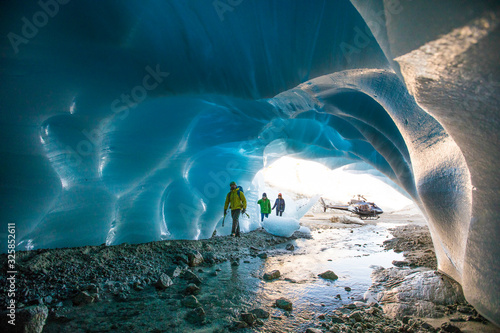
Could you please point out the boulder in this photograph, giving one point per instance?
(163, 282)
(174, 271)
(337, 320)
(313, 330)
(190, 302)
(413, 292)
(260, 313)
(329, 275)
(262, 255)
(192, 289)
(84, 297)
(190, 276)
(447, 327)
(209, 257)
(248, 318)
(196, 316)
(284, 304)
(356, 316)
(272, 275)
(31, 319)
(194, 258)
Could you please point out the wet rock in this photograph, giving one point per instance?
(137, 286)
(181, 258)
(248, 318)
(337, 320)
(83, 297)
(400, 263)
(163, 282)
(447, 327)
(196, 316)
(31, 319)
(260, 313)
(375, 311)
(284, 304)
(427, 326)
(190, 302)
(272, 275)
(190, 276)
(235, 263)
(210, 257)
(240, 324)
(174, 271)
(313, 330)
(192, 289)
(356, 316)
(329, 275)
(92, 288)
(347, 289)
(465, 309)
(413, 292)
(194, 258)
(290, 247)
(350, 306)
(262, 255)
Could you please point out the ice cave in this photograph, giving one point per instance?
(125, 121)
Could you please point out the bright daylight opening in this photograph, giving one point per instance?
(307, 178)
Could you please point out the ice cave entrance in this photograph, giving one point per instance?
(299, 178)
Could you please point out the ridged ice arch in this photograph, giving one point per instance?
(408, 88)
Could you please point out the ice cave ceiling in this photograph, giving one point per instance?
(123, 121)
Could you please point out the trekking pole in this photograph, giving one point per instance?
(223, 219)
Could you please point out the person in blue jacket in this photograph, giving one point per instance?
(279, 204)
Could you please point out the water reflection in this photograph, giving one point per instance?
(349, 254)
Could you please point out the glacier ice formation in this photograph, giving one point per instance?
(124, 121)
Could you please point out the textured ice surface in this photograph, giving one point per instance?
(281, 226)
(124, 122)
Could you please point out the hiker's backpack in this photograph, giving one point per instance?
(240, 189)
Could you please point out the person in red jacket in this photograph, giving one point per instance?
(279, 204)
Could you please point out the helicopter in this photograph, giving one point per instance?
(359, 206)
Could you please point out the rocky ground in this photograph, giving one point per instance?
(416, 243)
(161, 287)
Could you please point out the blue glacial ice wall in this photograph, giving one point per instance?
(124, 122)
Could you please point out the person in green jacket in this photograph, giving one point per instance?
(238, 203)
(265, 206)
